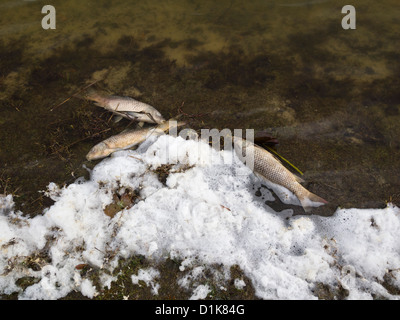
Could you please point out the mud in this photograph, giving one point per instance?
(328, 95)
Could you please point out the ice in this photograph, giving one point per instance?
(206, 213)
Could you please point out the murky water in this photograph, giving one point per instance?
(330, 96)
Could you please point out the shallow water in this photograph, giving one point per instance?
(329, 95)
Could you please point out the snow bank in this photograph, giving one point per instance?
(205, 210)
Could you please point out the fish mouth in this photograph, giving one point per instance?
(90, 158)
(159, 119)
(96, 157)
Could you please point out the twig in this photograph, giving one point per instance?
(136, 158)
(113, 114)
(72, 96)
(328, 185)
(191, 115)
(71, 144)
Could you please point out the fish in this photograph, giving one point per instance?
(128, 139)
(126, 107)
(267, 167)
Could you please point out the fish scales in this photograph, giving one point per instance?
(266, 166)
(127, 107)
(127, 139)
(115, 103)
(270, 168)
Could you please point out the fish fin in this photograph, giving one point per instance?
(139, 114)
(261, 177)
(134, 116)
(117, 118)
(121, 114)
(307, 209)
(298, 179)
(311, 200)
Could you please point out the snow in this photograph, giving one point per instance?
(148, 276)
(239, 284)
(200, 292)
(88, 289)
(205, 214)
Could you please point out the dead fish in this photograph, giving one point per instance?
(126, 107)
(267, 167)
(128, 139)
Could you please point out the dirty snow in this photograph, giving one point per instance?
(149, 277)
(206, 212)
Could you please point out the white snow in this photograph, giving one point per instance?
(239, 284)
(87, 288)
(207, 214)
(148, 276)
(200, 292)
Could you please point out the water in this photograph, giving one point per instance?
(329, 95)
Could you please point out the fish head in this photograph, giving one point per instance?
(158, 118)
(170, 124)
(99, 151)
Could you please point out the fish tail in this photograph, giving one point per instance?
(93, 95)
(310, 200)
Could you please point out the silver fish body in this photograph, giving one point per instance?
(126, 140)
(127, 107)
(266, 166)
